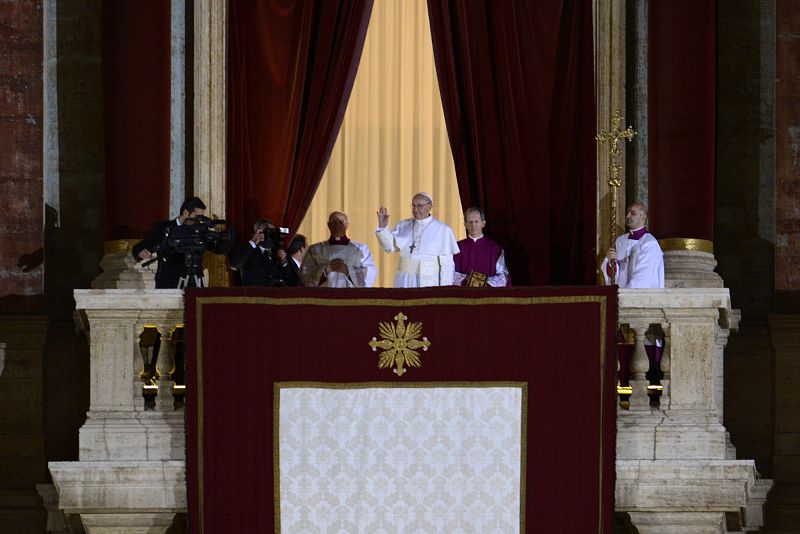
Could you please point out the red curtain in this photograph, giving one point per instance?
(136, 115)
(517, 85)
(681, 117)
(291, 66)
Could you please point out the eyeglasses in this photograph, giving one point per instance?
(420, 206)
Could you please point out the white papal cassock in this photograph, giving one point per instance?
(426, 252)
(640, 263)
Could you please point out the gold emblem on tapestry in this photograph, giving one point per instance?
(399, 342)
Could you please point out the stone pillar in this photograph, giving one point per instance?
(610, 85)
(210, 117)
(22, 454)
(787, 152)
(210, 103)
(689, 263)
(783, 509)
(121, 271)
(177, 115)
(637, 185)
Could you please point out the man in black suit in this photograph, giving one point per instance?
(257, 261)
(293, 258)
(171, 265)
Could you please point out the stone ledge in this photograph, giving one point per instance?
(718, 298)
(128, 299)
(120, 487)
(686, 485)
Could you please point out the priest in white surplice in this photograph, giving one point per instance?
(339, 261)
(426, 245)
(640, 261)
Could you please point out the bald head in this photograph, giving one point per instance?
(337, 224)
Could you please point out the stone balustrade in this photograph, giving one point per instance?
(131, 473)
(676, 470)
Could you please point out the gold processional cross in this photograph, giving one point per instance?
(614, 181)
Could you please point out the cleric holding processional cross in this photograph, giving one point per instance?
(426, 245)
(639, 259)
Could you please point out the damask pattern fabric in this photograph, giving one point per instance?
(396, 460)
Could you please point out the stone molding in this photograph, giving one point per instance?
(112, 497)
(690, 269)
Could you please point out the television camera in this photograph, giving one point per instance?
(190, 240)
(274, 238)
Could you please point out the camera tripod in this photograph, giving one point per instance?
(193, 261)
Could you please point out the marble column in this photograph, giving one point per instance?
(610, 85)
(210, 117)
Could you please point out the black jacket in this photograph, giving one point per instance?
(257, 268)
(170, 265)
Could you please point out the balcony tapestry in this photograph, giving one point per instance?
(386, 410)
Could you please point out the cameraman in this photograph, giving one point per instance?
(171, 264)
(256, 260)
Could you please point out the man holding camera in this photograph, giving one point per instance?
(171, 264)
(257, 260)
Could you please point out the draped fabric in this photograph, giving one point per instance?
(681, 108)
(256, 461)
(291, 66)
(136, 115)
(517, 86)
(393, 140)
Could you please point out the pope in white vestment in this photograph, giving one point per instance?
(426, 246)
(638, 256)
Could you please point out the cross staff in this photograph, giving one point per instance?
(614, 135)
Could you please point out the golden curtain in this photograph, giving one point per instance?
(393, 141)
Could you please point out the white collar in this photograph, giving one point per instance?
(476, 238)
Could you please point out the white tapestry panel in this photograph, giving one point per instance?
(400, 460)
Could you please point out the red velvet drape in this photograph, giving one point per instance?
(291, 66)
(136, 115)
(681, 118)
(517, 85)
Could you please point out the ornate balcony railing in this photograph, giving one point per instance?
(676, 468)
